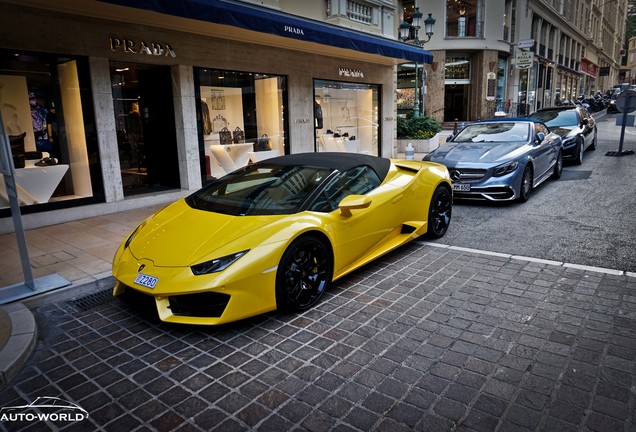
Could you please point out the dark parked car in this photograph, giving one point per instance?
(576, 127)
(500, 160)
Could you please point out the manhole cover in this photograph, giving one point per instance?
(92, 301)
(575, 175)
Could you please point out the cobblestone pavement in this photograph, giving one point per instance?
(427, 338)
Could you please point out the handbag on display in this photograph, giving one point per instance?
(239, 136)
(225, 136)
(263, 143)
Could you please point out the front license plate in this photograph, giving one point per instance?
(145, 280)
(461, 187)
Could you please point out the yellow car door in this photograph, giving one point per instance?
(369, 217)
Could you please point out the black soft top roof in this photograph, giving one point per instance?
(334, 160)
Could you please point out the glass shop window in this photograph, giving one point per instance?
(241, 119)
(346, 117)
(46, 108)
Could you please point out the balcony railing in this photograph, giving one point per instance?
(360, 12)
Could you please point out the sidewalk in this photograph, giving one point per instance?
(80, 251)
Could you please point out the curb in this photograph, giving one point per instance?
(20, 343)
(23, 338)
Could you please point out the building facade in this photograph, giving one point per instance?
(516, 56)
(137, 103)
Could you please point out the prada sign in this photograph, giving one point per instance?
(350, 73)
(141, 47)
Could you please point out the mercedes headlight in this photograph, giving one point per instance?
(506, 168)
(217, 264)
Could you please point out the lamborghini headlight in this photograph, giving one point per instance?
(217, 264)
(506, 168)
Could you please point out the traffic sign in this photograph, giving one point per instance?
(525, 43)
(626, 101)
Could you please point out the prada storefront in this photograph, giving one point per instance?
(112, 106)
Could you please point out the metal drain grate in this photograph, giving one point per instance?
(92, 301)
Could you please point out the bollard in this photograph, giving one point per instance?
(410, 152)
(455, 127)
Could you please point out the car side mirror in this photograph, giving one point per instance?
(540, 137)
(353, 202)
(450, 138)
(585, 122)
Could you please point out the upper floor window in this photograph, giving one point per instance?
(464, 18)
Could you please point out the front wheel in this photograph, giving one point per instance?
(526, 184)
(558, 167)
(580, 149)
(303, 274)
(439, 212)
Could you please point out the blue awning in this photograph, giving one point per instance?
(279, 24)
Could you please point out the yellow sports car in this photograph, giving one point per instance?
(275, 234)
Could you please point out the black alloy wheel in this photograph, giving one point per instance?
(439, 212)
(303, 274)
(593, 145)
(526, 184)
(558, 167)
(580, 149)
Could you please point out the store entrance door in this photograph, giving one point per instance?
(144, 115)
(456, 102)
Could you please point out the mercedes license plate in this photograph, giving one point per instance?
(461, 187)
(145, 280)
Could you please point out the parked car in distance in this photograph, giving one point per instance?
(275, 234)
(500, 160)
(576, 127)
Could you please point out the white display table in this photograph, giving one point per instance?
(231, 156)
(35, 184)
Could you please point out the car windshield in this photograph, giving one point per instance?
(557, 118)
(259, 190)
(494, 132)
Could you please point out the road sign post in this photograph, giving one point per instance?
(626, 103)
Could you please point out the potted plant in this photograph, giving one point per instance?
(420, 132)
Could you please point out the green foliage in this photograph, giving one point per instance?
(417, 128)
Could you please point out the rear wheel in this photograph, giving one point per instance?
(303, 274)
(526, 184)
(439, 212)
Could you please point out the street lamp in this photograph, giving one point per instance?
(405, 30)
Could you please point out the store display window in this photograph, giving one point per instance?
(346, 117)
(241, 119)
(146, 136)
(47, 113)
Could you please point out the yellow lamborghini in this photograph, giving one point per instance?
(275, 234)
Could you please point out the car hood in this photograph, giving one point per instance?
(483, 152)
(180, 236)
